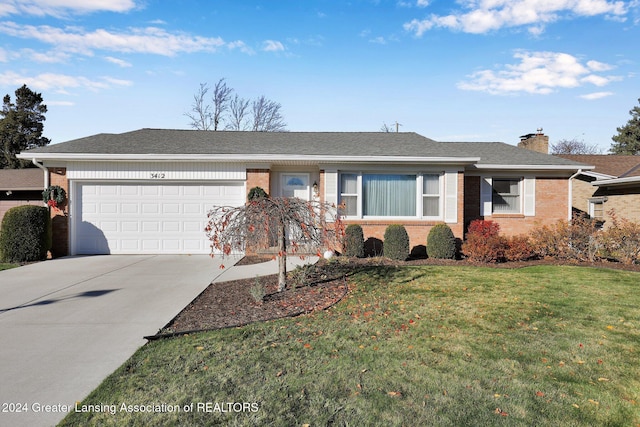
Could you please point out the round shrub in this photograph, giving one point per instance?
(396, 242)
(25, 235)
(354, 241)
(441, 243)
(256, 193)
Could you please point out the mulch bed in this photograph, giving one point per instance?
(230, 304)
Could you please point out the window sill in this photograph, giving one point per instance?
(508, 215)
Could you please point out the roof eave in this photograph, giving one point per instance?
(631, 180)
(253, 158)
(532, 167)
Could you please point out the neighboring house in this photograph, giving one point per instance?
(20, 187)
(614, 183)
(148, 191)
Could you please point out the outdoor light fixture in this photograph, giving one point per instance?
(315, 188)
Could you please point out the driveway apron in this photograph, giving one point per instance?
(66, 324)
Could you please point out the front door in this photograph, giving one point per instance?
(295, 185)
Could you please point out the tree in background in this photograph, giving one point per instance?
(267, 116)
(627, 141)
(21, 126)
(233, 113)
(574, 146)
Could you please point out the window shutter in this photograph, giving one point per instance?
(486, 188)
(451, 196)
(331, 187)
(529, 185)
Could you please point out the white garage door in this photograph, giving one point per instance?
(147, 218)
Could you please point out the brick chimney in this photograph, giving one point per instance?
(535, 141)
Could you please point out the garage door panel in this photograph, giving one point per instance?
(148, 218)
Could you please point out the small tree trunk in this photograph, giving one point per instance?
(282, 258)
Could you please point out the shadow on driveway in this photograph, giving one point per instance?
(87, 294)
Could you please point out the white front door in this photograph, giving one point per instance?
(295, 185)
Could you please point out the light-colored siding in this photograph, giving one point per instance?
(167, 171)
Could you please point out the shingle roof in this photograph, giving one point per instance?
(21, 179)
(347, 144)
(614, 165)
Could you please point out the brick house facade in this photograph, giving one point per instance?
(148, 191)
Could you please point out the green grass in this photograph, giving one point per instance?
(446, 346)
(6, 266)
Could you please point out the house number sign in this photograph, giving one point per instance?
(158, 175)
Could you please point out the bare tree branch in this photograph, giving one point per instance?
(291, 224)
(221, 97)
(574, 146)
(267, 116)
(238, 111)
(200, 114)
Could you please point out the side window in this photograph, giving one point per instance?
(349, 193)
(506, 196)
(431, 195)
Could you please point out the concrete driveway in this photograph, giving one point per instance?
(66, 324)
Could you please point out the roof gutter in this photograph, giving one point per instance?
(570, 204)
(46, 172)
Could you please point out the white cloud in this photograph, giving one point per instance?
(538, 73)
(118, 62)
(240, 45)
(63, 7)
(596, 95)
(272, 46)
(135, 40)
(59, 83)
(482, 16)
(60, 103)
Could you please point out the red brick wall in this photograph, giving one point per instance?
(551, 205)
(259, 178)
(60, 215)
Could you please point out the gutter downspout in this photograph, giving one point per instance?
(570, 214)
(46, 172)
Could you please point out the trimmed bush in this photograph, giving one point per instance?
(575, 240)
(621, 239)
(396, 242)
(25, 235)
(519, 248)
(354, 241)
(483, 242)
(441, 243)
(256, 193)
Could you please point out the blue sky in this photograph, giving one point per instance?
(469, 70)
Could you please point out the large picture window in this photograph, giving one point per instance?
(506, 196)
(390, 195)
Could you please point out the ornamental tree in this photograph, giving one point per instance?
(291, 225)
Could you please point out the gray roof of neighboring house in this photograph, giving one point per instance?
(21, 179)
(345, 144)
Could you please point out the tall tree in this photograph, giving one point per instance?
(228, 112)
(21, 126)
(267, 116)
(238, 114)
(200, 115)
(574, 146)
(627, 141)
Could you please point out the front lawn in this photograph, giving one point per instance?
(429, 345)
(6, 266)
